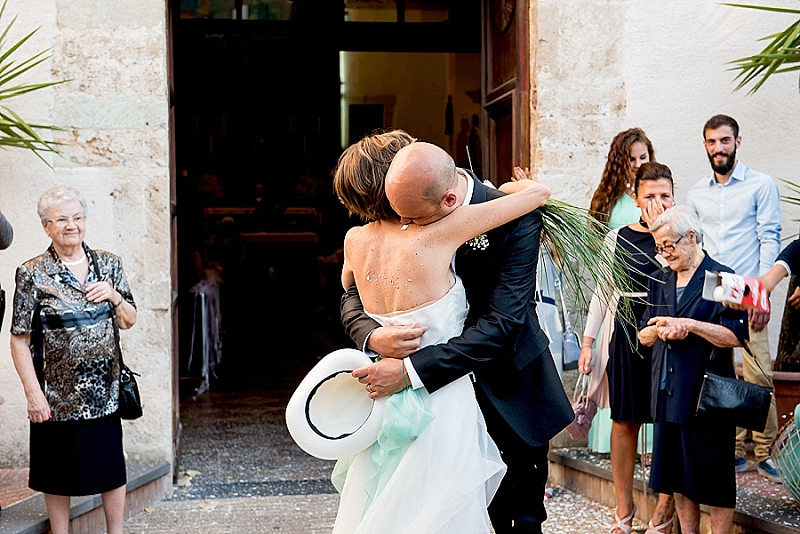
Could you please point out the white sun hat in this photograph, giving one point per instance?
(330, 414)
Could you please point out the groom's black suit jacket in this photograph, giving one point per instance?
(502, 342)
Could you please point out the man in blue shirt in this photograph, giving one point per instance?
(740, 215)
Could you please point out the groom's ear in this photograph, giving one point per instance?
(450, 199)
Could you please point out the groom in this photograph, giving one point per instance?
(516, 382)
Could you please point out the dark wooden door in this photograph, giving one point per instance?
(173, 201)
(506, 87)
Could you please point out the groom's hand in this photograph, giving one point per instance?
(382, 378)
(396, 341)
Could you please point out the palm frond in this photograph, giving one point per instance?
(794, 188)
(764, 8)
(15, 132)
(577, 242)
(777, 57)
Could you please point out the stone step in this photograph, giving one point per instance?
(147, 484)
(762, 507)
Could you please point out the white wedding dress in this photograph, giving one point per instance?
(446, 478)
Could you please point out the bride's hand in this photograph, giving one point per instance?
(396, 341)
(520, 174)
(528, 187)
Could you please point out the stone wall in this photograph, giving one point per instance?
(602, 66)
(114, 115)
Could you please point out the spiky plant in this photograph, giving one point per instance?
(781, 55)
(576, 240)
(14, 130)
(795, 189)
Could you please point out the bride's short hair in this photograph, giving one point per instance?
(360, 174)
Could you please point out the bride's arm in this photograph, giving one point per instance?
(472, 220)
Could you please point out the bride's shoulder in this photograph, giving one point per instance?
(369, 231)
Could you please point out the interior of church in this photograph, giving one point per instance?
(267, 94)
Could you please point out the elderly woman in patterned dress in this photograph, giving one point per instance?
(63, 345)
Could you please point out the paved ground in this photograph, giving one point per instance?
(241, 472)
(295, 514)
(568, 512)
(14, 486)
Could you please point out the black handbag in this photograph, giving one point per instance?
(2, 306)
(130, 402)
(735, 401)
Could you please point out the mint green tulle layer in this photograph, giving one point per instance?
(404, 419)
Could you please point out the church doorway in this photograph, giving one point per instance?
(265, 94)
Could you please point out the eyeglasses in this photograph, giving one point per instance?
(669, 249)
(63, 221)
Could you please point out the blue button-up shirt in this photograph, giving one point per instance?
(741, 220)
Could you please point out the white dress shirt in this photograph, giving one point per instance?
(741, 219)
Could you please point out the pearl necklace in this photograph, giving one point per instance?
(72, 263)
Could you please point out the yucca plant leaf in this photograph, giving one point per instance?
(14, 47)
(783, 49)
(15, 132)
(576, 241)
(28, 88)
(8, 28)
(26, 128)
(764, 8)
(10, 70)
(794, 188)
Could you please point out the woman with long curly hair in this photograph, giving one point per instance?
(613, 202)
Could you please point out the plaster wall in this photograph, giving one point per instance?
(114, 115)
(602, 66)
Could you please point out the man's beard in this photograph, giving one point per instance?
(725, 167)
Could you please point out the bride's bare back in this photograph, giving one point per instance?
(396, 269)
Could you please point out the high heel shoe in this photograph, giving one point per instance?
(621, 523)
(658, 528)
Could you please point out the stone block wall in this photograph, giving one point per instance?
(115, 150)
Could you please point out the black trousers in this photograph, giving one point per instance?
(518, 505)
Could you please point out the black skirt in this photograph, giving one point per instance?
(694, 459)
(75, 458)
(629, 373)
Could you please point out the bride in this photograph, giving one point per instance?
(442, 478)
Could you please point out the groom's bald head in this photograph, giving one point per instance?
(421, 183)
(424, 167)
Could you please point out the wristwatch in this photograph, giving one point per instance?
(116, 305)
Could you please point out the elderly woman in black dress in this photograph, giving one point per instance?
(63, 345)
(691, 454)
